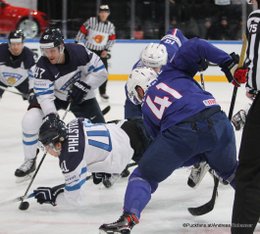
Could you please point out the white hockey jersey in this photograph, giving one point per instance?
(91, 148)
(14, 70)
(56, 80)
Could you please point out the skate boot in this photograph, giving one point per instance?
(109, 181)
(23, 172)
(239, 119)
(123, 225)
(104, 97)
(197, 173)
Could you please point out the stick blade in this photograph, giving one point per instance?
(209, 206)
(201, 210)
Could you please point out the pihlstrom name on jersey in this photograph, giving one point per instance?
(73, 137)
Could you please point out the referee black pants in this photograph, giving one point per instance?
(246, 209)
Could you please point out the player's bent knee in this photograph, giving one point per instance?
(32, 120)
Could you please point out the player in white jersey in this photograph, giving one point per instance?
(66, 73)
(16, 65)
(86, 147)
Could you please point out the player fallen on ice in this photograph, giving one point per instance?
(83, 147)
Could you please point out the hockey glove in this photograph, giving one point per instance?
(99, 177)
(239, 76)
(230, 66)
(78, 91)
(47, 195)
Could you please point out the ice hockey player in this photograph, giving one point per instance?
(160, 56)
(16, 65)
(86, 147)
(155, 56)
(65, 73)
(187, 125)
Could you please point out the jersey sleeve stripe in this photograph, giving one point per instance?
(76, 186)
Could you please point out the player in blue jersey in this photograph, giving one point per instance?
(160, 56)
(187, 124)
(16, 65)
(156, 56)
(84, 147)
(65, 73)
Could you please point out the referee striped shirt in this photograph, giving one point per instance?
(97, 35)
(253, 51)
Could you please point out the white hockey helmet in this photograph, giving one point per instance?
(154, 55)
(142, 77)
(249, 1)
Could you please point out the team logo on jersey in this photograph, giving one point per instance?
(11, 78)
(98, 38)
(71, 81)
(210, 102)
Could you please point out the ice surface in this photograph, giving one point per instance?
(166, 213)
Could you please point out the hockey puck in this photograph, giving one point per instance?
(24, 205)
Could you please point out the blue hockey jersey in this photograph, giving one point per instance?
(172, 99)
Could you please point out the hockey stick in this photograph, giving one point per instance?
(209, 206)
(10, 91)
(202, 80)
(31, 195)
(104, 111)
(24, 205)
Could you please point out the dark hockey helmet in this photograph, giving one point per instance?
(52, 37)
(16, 36)
(53, 130)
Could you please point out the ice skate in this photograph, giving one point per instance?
(104, 97)
(123, 225)
(24, 172)
(197, 173)
(110, 181)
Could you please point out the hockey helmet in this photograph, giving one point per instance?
(52, 37)
(53, 130)
(249, 1)
(16, 36)
(154, 55)
(143, 77)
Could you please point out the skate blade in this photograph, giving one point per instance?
(108, 232)
(23, 179)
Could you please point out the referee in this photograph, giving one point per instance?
(98, 35)
(246, 209)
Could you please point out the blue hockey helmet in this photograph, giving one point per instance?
(52, 37)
